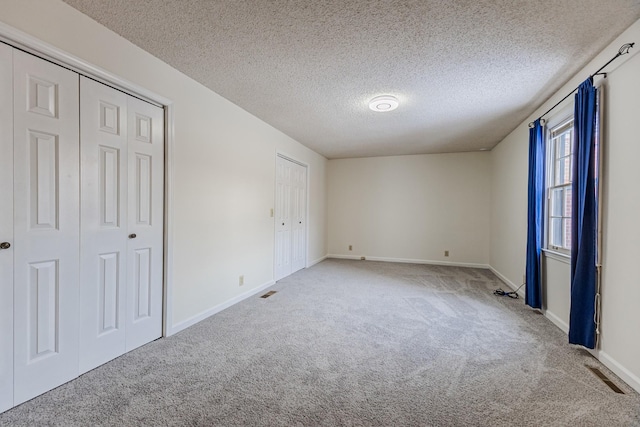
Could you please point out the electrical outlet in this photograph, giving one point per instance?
(241, 280)
(446, 253)
(350, 247)
(362, 258)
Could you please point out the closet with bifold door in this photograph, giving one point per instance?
(122, 150)
(81, 224)
(290, 217)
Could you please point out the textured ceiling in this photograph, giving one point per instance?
(466, 72)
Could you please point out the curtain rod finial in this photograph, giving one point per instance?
(625, 48)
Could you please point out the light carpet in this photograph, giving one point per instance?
(356, 344)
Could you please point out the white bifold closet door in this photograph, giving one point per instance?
(81, 224)
(290, 217)
(46, 225)
(6, 227)
(122, 151)
(298, 216)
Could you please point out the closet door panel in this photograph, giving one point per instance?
(283, 218)
(46, 225)
(145, 222)
(298, 217)
(103, 242)
(6, 227)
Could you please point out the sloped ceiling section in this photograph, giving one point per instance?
(466, 72)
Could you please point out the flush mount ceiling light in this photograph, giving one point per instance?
(383, 103)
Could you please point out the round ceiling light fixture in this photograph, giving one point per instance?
(384, 103)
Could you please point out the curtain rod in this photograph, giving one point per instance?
(622, 51)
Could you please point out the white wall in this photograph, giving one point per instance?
(620, 346)
(509, 162)
(621, 228)
(556, 289)
(224, 164)
(411, 208)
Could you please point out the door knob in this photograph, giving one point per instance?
(283, 223)
(132, 236)
(5, 245)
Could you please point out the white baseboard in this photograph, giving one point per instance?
(411, 261)
(319, 260)
(338, 256)
(218, 308)
(564, 327)
(625, 375)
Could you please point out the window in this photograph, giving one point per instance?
(559, 172)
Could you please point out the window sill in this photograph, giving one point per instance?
(558, 256)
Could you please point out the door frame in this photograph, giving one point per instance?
(285, 156)
(30, 44)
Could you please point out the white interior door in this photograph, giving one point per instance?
(290, 217)
(283, 218)
(298, 217)
(59, 311)
(103, 269)
(122, 145)
(6, 227)
(145, 222)
(46, 225)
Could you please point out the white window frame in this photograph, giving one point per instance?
(563, 121)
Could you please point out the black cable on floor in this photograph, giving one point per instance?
(512, 294)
